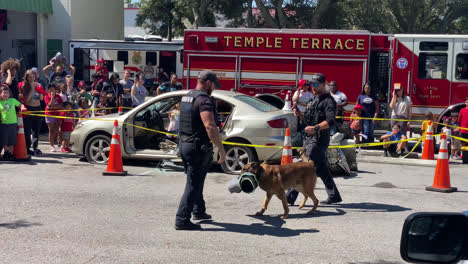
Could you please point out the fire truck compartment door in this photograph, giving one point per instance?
(349, 73)
(262, 74)
(432, 72)
(223, 65)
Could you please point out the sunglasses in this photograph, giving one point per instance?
(395, 128)
(315, 84)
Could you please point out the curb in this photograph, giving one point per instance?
(397, 161)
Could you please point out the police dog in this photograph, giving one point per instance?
(276, 179)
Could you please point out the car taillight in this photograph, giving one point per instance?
(278, 123)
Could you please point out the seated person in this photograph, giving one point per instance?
(394, 148)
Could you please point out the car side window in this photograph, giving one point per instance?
(162, 106)
(224, 110)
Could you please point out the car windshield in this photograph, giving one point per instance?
(257, 103)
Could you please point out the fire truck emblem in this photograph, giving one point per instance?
(136, 58)
(402, 63)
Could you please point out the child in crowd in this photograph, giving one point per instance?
(66, 123)
(394, 149)
(9, 122)
(447, 130)
(84, 105)
(83, 93)
(356, 124)
(428, 118)
(174, 115)
(103, 103)
(53, 103)
(102, 70)
(62, 91)
(456, 143)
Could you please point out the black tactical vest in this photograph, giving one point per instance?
(191, 126)
(315, 111)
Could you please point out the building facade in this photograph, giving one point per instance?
(35, 30)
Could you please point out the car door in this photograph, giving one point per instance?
(146, 136)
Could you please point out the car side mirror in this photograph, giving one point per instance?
(434, 238)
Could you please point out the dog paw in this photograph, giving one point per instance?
(311, 212)
(283, 216)
(259, 213)
(301, 206)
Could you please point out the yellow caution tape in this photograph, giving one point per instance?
(241, 144)
(459, 138)
(399, 120)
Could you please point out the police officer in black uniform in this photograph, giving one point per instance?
(317, 119)
(197, 128)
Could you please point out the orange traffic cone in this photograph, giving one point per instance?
(428, 151)
(287, 103)
(114, 165)
(20, 152)
(287, 150)
(120, 110)
(442, 173)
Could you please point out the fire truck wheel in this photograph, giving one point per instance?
(236, 158)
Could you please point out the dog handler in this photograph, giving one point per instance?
(197, 128)
(318, 117)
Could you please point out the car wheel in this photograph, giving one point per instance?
(236, 158)
(97, 149)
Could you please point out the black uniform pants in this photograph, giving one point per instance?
(196, 163)
(316, 150)
(32, 127)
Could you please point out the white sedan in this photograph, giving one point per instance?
(242, 119)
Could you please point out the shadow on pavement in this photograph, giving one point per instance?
(367, 172)
(278, 222)
(34, 161)
(380, 261)
(369, 207)
(18, 224)
(256, 229)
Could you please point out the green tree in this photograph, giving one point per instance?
(404, 16)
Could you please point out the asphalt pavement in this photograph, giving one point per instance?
(57, 209)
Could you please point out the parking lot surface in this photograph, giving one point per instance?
(57, 209)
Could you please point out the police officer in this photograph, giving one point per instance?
(197, 128)
(317, 119)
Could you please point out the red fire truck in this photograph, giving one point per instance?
(432, 69)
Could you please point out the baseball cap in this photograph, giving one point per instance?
(207, 75)
(101, 60)
(318, 78)
(34, 69)
(82, 83)
(358, 106)
(302, 82)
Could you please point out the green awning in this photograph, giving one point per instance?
(35, 6)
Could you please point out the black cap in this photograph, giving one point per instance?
(318, 78)
(207, 75)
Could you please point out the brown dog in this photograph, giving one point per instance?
(276, 179)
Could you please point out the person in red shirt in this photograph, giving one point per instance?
(53, 103)
(66, 123)
(463, 121)
(102, 70)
